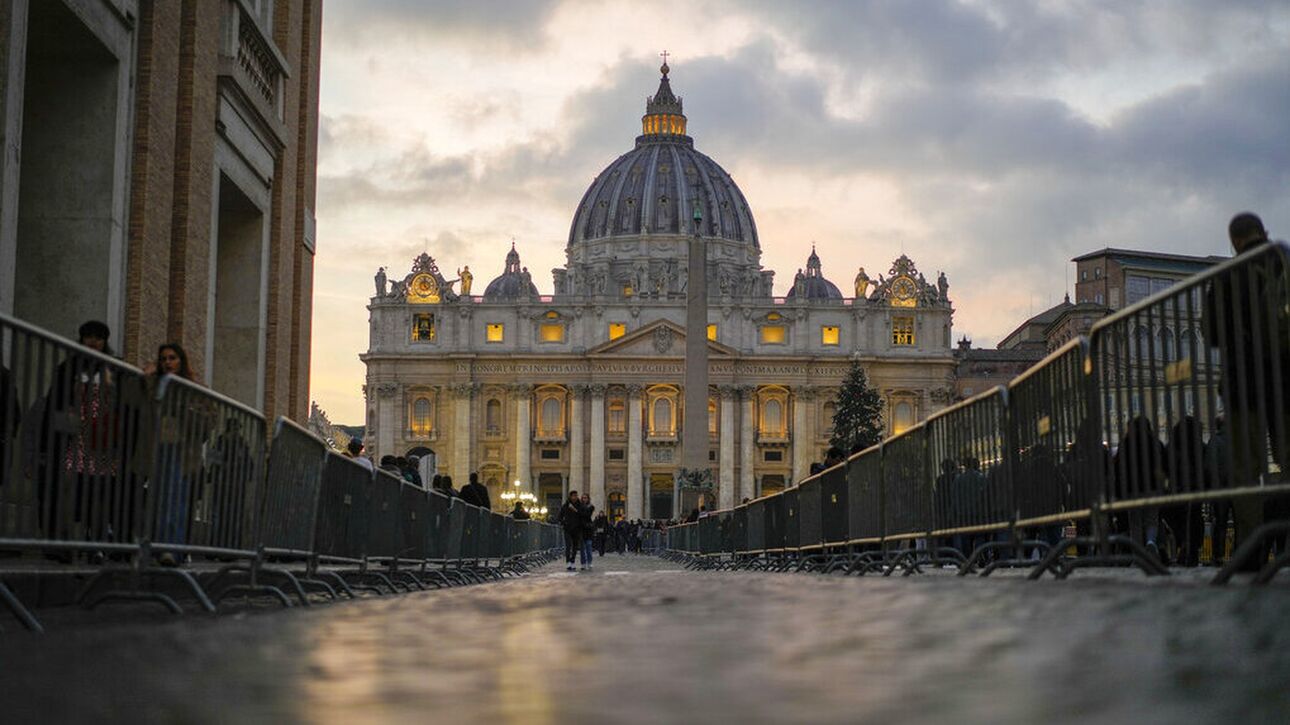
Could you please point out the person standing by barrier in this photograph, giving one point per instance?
(601, 532)
(1140, 473)
(518, 513)
(476, 493)
(181, 435)
(570, 520)
(588, 530)
(355, 451)
(1246, 318)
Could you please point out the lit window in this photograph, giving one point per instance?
(902, 418)
(493, 416)
(552, 315)
(772, 418)
(773, 316)
(617, 417)
(423, 328)
(661, 422)
(902, 331)
(549, 422)
(422, 418)
(551, 332)
(712, 418)
(772, 334)
(617, 330)
(829, 335)
(494, 332)
(712, 332)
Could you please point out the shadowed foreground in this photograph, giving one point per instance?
(638, 640)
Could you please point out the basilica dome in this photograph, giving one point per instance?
(654, 188)
(812, 285)
(515, 282)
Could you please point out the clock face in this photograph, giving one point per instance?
(424, 289)
(903, 291)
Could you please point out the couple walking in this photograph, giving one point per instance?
(576, 518)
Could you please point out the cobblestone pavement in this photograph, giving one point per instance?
(639, 640)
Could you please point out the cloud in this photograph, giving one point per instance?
(510, 26)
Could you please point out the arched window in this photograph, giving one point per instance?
(550, 420)
(902, 417)
(772, 418)
(662, 422)
(617, 417)
(1187, 344)
(493, 416)
(713, 421)
(422, 418)
(1165, 349)
(1141, 343)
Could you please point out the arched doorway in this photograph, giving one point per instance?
(429, 464)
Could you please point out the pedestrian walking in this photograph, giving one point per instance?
(588, 530)
(570, 520)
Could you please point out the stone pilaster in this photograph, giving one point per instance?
(577, 450)
(523, 435)
(747, 442)
(726, 484)
(463, 430)
(597, 473)
(803, 398)
(387, 418)
(636, 493)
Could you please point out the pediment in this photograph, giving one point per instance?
(661, 338)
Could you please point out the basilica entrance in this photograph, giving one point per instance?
(660, 495)
(550, 491)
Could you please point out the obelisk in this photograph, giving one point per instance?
(694, 440)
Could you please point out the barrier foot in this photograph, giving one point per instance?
(253, 589)
(340, 584)
(23, 614)
(157, 597)
(1251, 547)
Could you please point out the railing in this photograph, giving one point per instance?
(1097, 437)
(140, 478)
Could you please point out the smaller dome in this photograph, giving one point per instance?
(812, 285)
(514, 282)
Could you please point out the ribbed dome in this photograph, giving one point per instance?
(514, 282)
(652, 189)
(813, 285)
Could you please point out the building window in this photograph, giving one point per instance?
(1083, 275)
(550, 418)
(549, 454)
(551, 332)
(1099, 298)
(712, 418)
(617, 417)
(494, 332)
(1136, 288)
(902, 418)
(772, 483)
(830, 410)
(829, 335)
(902, 331)
(712, 332)
(423, 328)
(421, 422)
(772, 418)
(617, 330)
(1097, 273)
(661, 420)
(772, 334)
(493, 417)
(616, 454)
(773, 456)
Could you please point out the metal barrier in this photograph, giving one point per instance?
(864, 496)
(833, 505)
(906, 493)
(811, 513)
(288, 510)
(967, 467)
(344, 506)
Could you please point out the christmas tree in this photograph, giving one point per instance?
(857, 420)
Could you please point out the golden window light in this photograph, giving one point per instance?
(829, 335)
(423, 328)
(551, 332)
(902, 331)
(712, 332)
(772, 334)
(617, 330)
(494, 332)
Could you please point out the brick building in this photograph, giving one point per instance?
(158, 173)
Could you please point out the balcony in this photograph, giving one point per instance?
(250, 63)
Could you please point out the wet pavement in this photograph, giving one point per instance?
(638, 640)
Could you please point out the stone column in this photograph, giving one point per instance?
(523, 435)
(635, 485)
(747, 442)
(802, 397)
(577, 451)
(462, 430)
(726, 484)
(597, 474)
(387, 418)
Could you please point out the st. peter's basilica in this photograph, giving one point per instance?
(582, 388)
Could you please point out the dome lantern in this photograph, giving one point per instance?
(663, 111)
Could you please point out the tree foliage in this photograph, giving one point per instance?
(857, 417)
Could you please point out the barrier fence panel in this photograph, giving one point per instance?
(774, 509)
(1060, 462)
(385, 531)
(833, 505)
(709, 534)
(414, 511)
(864, 495)
(906, 492)
(967, 465)
(456, 526)
(811, 512)
(76, 432)
(1194, 385)
(469, 531)
(792, 518)
(726, 531)
(739, 530)
(496, 535)
(436, 541)
(756, 525)
(288, 508)
(344, 508)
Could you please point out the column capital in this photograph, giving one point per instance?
(519, 388)
(635, 390)
(597, 390)
(747, 392)
(387, 390)
(578, 389)
(728, 392)
(805, 392)
(464, 390)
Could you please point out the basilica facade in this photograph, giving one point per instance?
(582, 388)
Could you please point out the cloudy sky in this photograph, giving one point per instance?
(991, 140)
